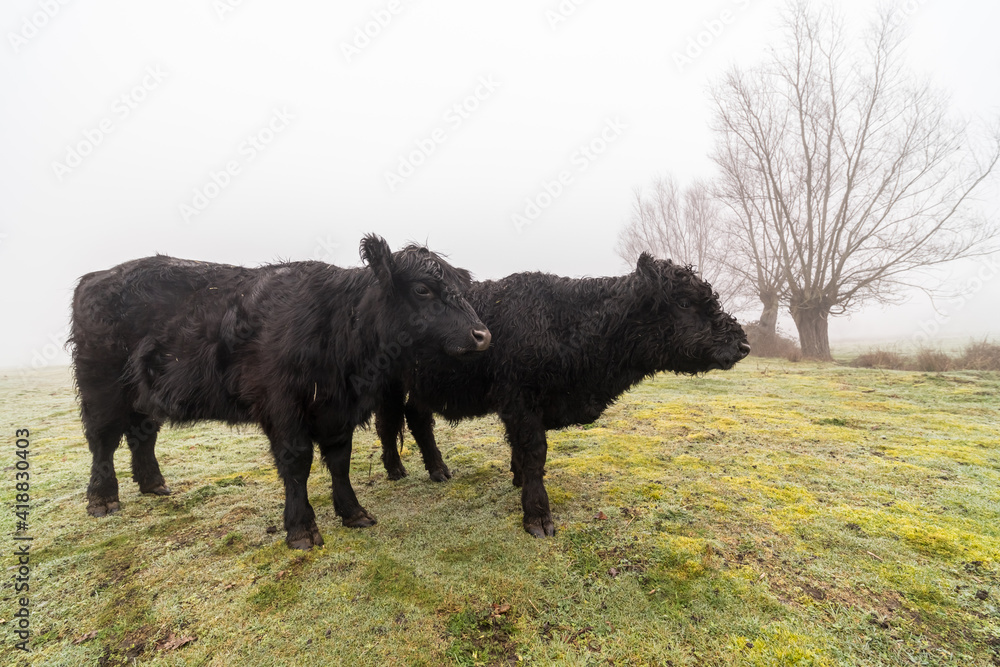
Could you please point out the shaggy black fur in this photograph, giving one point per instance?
(304, 349)
(563, 351)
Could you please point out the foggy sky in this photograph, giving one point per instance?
(249, 132)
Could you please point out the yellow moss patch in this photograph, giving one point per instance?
(558, 495)
(725, 423)
(636, 453)
(681, 543)
(585, 466)
(932, 449)
(928, 533)
(687, 557)
(785, 506)
(783, 493)
(668, 412)
(944, 423)
(846, 393)
(778, 646)
(687, 461)
(879, 407)
(651, 491)
(788, 518)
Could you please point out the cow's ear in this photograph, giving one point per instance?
(377, 256)
(464, 278)
(646, 265)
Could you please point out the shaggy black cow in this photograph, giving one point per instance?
(303, 349)
(563, 350)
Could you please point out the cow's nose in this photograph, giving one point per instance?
(482, 338)
(745, 348)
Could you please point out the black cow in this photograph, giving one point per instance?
(304, 349)
(563, 351)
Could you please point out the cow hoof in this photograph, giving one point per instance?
(540, 527)
(306, 540)
(360, 519)
(396, 473)
(160, 490)
(441, 474)
(103, 508)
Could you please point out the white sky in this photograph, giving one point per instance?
(199, 77)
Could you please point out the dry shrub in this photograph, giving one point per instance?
(763, 343)
(880, 357)
(980, 356)
(929, 360)
(977, 356)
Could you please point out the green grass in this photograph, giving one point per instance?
(776, 514)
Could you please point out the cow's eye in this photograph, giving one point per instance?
(683, 303)
(422, 291)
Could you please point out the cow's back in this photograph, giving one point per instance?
(179, 332)
(553, 343)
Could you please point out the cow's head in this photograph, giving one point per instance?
(679, 322)
(426, 296)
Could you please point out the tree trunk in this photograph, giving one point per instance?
(813, 326)
(769, 313)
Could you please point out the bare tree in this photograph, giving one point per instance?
(850, 172)
(752, 255)
(686, 225)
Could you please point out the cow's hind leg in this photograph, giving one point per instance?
(293, 456)
(526, 434)
(336, 451)
(141, 438)
(103, 430)
(421, 423)
(389, 426)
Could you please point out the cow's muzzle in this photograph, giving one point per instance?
(482, 338)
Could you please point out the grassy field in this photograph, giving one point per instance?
(776, 514)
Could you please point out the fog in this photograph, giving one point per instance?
(507, 136)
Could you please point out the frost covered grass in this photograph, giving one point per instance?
(776, 514)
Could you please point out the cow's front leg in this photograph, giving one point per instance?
(336, 451)
(526, 434)
(515, 466)
(293, 456)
